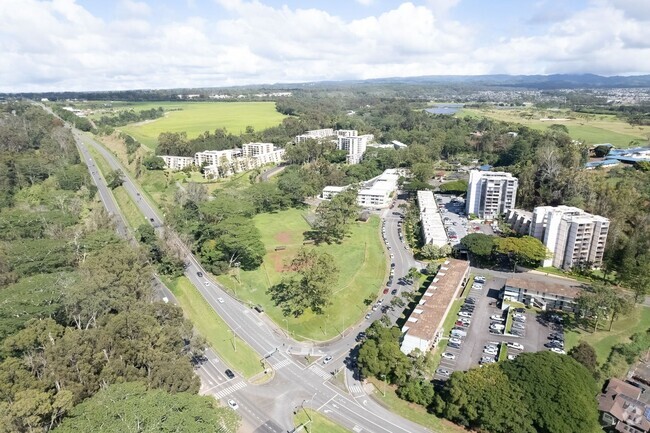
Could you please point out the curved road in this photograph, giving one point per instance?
(269, 407)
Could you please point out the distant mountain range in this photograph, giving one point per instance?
(555, 81)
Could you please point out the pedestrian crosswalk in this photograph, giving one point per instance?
(319, 371)
(356, 389)
(232, 388)
(280, 364)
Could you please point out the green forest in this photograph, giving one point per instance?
(79, 333)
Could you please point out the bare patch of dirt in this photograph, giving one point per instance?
(283, 238)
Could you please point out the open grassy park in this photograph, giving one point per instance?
(591, 128)
(638, 320)
(360, 258)
(197, 117)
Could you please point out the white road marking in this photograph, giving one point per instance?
(226, 391)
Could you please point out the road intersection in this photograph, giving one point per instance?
(294, 386)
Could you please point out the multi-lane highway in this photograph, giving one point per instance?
(270, 407)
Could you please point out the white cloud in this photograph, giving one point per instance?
(365, 2)
(60, 45)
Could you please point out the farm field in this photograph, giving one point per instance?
(360, 258)
(197, 117)
(592, 128)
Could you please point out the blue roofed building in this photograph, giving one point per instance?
(606, 163)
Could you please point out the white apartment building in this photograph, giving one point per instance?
(433, 229)
(376, 193)
(380, 190)
(490, 193)
(572, 235)
(216, 157)
(262, 153)
(424, 326)
(519, 220)
(315, 134)
(355, 145)
(346, 133)
(177, 162)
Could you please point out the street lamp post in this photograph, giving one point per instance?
(383, 377)
(286, 322)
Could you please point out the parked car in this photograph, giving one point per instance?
(448, 355)
(386, 291)
(517, 332)
(519, 316)
(497, 327)
(497, 318)
(393, 292)
(517, 325)
(470, 301)
(515, 345)
(496, 332)
(368, 316)
(455, 340)
(458, 333)
(479, 279)
(465, 314)
(512, 356)
(443, 372)
(491, 351)
(519, 319)
(461, 324)
(558, 350)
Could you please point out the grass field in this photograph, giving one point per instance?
(217, 333)
(197, 117)
(317, 423)
(360, 259)
(602, 340)
(592, 128)
(411, 411)
(130, 211)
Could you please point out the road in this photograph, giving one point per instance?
(268, 407)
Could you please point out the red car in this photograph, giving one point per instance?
(386, 291)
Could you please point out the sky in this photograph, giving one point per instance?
(58, 45)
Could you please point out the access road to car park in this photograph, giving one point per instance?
(487, 304)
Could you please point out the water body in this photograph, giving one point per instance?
(448, 109)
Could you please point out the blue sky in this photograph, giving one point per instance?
(125, 44)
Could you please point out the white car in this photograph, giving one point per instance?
(233, 404)
(497, 327)
(519, 316)
(558, 350)
(491, 347)
(443, 372)
(207, 283)
(491, 351)
(512, 357)
(448, 355)
(465, 314)
(220, 300)
(477, 286)
(327, 359)
(497, 318)
(516, 346)
(454, 340)
(479, 279)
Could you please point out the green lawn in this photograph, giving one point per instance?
(593, 129)
(217, 333)
(130, 211)
(197, 117)
(503, 352)
(602, 340)
(360, 258)
(411, 411)
(317, 423)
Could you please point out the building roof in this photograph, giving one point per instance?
(427, 317)
(620, 399)
(546, 287)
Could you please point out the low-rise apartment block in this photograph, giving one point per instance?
(177, 162)
(224, 163)
(376, 193)
(541, 294)
(423, 328)
(432, 227)
(490, 193)
(573, 236)
(315, 134)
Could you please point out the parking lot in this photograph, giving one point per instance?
(480, 332)
(452, 209)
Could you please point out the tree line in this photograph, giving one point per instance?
(76, 310)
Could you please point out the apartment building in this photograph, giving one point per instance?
(376, 193)
(423, 328)
(354, 145)
(315, 134)
(490, 193)
(433, 229)
(573, 236)
(519, 220)
(177, 162)
(545, 295)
